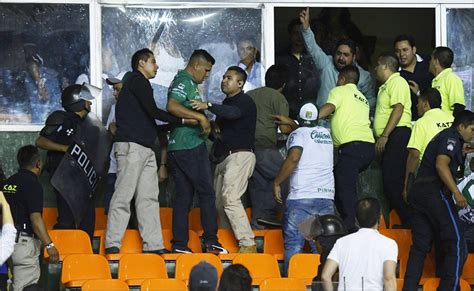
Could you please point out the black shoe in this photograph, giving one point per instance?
(158, 252)
(216, 248)
(112, 250)
(184, 250)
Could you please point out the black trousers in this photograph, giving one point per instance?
(394, 161)
(352, 159)
(435, 214)
(66, 218)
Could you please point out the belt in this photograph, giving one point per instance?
(357, 142)
(239, 150)
(23, 233)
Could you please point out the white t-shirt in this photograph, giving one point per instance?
(313, 176)
(360, 257)
(113, 161)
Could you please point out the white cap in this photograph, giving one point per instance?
(309, 112)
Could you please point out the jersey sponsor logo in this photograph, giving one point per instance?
(86, 165)
(442, 125)
(9, 188)
(320, 137)
(361, 99)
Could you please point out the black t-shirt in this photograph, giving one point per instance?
(448, 142)
(61, 126)
(24, 193)
(422, 77)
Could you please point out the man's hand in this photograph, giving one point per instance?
(277, 193)
(304, 18)
(460, 199)
(414, 87)
(206, 126)
(53, 255)
(162, 173)
(380, 144)
(199, 105)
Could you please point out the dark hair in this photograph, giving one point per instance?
(294, 22)
(240, 72)
(464, 117)
(368, 212)
(276, 76)
(349, 42)
(235, 278)
(433, 97)
(390, 60)
(405, 37)
(351, 74)
(140, 55)
(202, 55)
(27, 156)
(444, 55)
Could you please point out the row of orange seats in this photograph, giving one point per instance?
(134, 269)
(50, 215)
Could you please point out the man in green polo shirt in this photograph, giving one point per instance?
(392, 125)
(446, 81)
(188, 157)
(352, 136)
(433, 121)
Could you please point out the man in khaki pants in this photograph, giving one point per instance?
(235, 140)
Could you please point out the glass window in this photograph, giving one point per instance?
(44, 48)
(460, 29)
(173, 34)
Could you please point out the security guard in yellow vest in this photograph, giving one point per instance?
(392, 128)
(348, 110)
(433, 121)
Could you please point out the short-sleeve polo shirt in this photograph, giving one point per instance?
(451, 89)
(395, 90)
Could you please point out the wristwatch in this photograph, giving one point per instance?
(209, 105)
(50, 245)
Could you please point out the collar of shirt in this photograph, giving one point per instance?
(419, 59)
(384, 85)
(442, 74)
(187, 75)
(367, 230)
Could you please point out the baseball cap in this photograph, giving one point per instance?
(203, 276)
(308, 113)
(117, 79)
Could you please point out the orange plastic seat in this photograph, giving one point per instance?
(186, 262)
(166, 217)
(104, 284)
(136, 268)
(194, 220)
(100, 218)
(194, 244)
(468, 271)
(432, 285)
(227, 239)
(394, 219)
(50, 216)
(400, 284)
(77, 269)
(403, 239)
(275, 284)
(273, 243)
(260, 266)
(131, 244)
(248, 211)
(163, 284)
(304, 267)
(69, 241)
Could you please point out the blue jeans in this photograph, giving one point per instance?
(297, 211)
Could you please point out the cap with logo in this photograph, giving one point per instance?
(308, 114)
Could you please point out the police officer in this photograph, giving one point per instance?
(25, 196)
(432, 121)
(434, 197)
(351, 134)
(56, 136)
